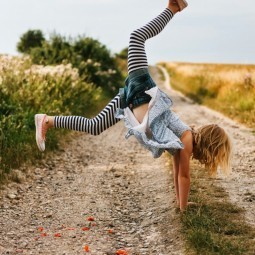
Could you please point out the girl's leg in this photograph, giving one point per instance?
(95, 126)
(137, 58)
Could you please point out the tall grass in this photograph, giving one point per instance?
(226, 88)
(214, 225)
(27, 89)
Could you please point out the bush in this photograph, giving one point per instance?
(61, 77)
(31, 39)
(92, 59)
(123, 54)
(32, 89)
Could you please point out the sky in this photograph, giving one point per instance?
(207, 31)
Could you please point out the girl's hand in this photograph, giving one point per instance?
(190, 204)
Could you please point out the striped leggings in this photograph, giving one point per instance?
(137, 59)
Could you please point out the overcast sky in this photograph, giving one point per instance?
(207, 31)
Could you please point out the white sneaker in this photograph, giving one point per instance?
(41, 130)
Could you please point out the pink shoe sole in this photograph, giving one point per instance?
(182, 4)
(39, 118)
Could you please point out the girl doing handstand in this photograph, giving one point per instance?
(147, 115)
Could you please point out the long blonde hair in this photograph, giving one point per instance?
(212, 147)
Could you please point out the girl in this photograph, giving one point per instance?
(147, 115)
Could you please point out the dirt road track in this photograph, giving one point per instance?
(114, 180)
(129, 194)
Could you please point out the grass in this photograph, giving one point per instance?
(31, 89)
(214, 225)
(17, 150)
(229, 89)
(161, 74)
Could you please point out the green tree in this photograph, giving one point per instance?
(53, 52)
(123, 54)
(93, 60)
(29, 40)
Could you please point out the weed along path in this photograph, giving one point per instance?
(99, 195)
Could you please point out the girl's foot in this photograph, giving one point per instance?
(41, 129)
(182, 4)
(177, 5)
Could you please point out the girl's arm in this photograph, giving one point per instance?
(184, 179)
(184, 170)
(176, 162)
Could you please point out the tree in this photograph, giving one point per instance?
(123, 54)
(29, 40)
(93, 60)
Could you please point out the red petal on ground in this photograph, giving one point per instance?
(110, 231)
(90, 218)
(85, 229)
(86, 248)
(121, 252)
(43, 234)
(57, 235)
(40, 229)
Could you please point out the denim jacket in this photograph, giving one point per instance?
(165, 127)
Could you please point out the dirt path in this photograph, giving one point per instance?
(129, 194)
(114, 180)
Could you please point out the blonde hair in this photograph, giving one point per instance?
(212, 147)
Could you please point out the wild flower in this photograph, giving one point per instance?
(97, 64)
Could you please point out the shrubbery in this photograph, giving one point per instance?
(30, 40)
(26, 89)
(58, 76)
(92, 59)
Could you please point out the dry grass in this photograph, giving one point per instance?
(229, 89)
(214, 225)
